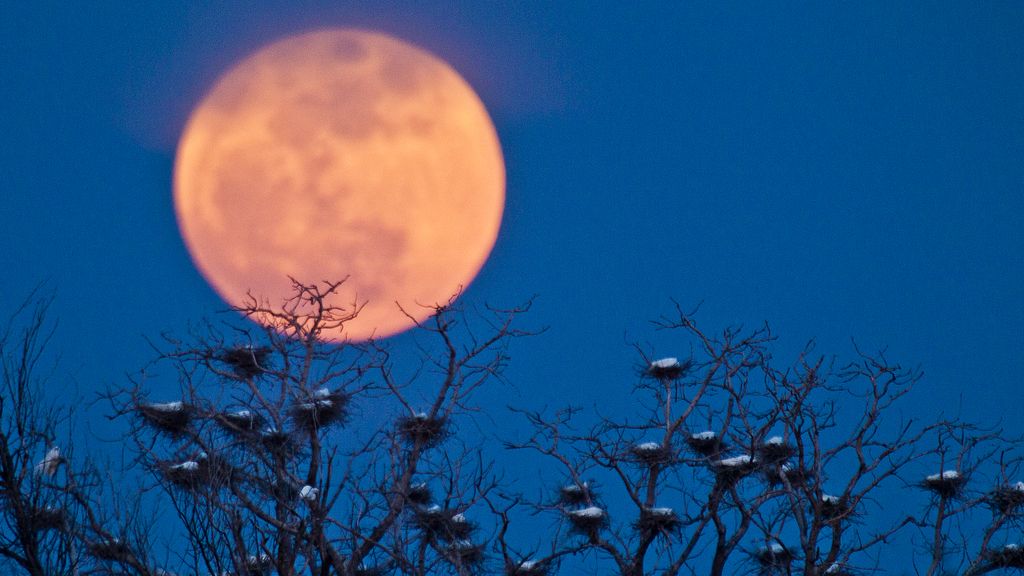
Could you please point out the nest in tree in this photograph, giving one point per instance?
(1009, 556)
(419, 494)
(240, 422)
(423, 429)
(652, 454)
(706, 444)
(576, 494)
(834, 508)
(661, 521)
(794, 475)
(112, 550)
(465, 553)
(321, 409)
(588, 520)
(168, 417)
(442, 523)
(527, 568)
(728, 471)
(48, 518)
(277, 440)
(666, 369)
(246, 361)
(837, 569)
(376, 570)
(948, 484)
(774, 556)
(257, 565)
(1008, 500)
(775, 451)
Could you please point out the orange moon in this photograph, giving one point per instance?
(341, 154)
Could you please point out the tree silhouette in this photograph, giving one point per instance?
(259, 451)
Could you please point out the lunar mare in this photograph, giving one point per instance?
(335, 154)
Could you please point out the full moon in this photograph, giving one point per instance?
(341, 154)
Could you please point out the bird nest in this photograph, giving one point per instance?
(666, 369)
(706, 444)
(773, 556)
(240, 422)
(588, 521)
(376, 570)
(834, 508)
(576, 494)
(465, 553)
(169, 417)
(419, 494)
(728, 471)
(423, 429)
(527, 568)
(948, 484)
(442, 523)
(278, 441)
(1009, 556)
(246, 362)
(652, 454)
(658, 521)
(1008, 500)
(48, 518)
(782, 474)
(256, 565)
(323, 408)
(775, 451)
(111, 549)
(837, 569)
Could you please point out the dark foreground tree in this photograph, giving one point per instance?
(730, 464)
(269, 451)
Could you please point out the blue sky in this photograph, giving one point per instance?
(840, 170)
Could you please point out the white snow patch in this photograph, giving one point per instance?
(735, 461)
(176, 406)
(647, 447)
(460, 518)
(1019, 486)
(309, 493)
(527, 564)
(665, 363)
(188, 465)
(322, 403)
(946, 475)
(833, 569)
(591, 512)
(321, 393)
(705, 435)
(774, 440)
(575, 487)
(660, 511)
(829, 499)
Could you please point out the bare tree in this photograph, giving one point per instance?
(730, 464)
(265, 469)
(54, 507)
(271, 451)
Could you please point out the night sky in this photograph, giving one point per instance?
(844, 171)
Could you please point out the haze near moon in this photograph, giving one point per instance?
(341, 153)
